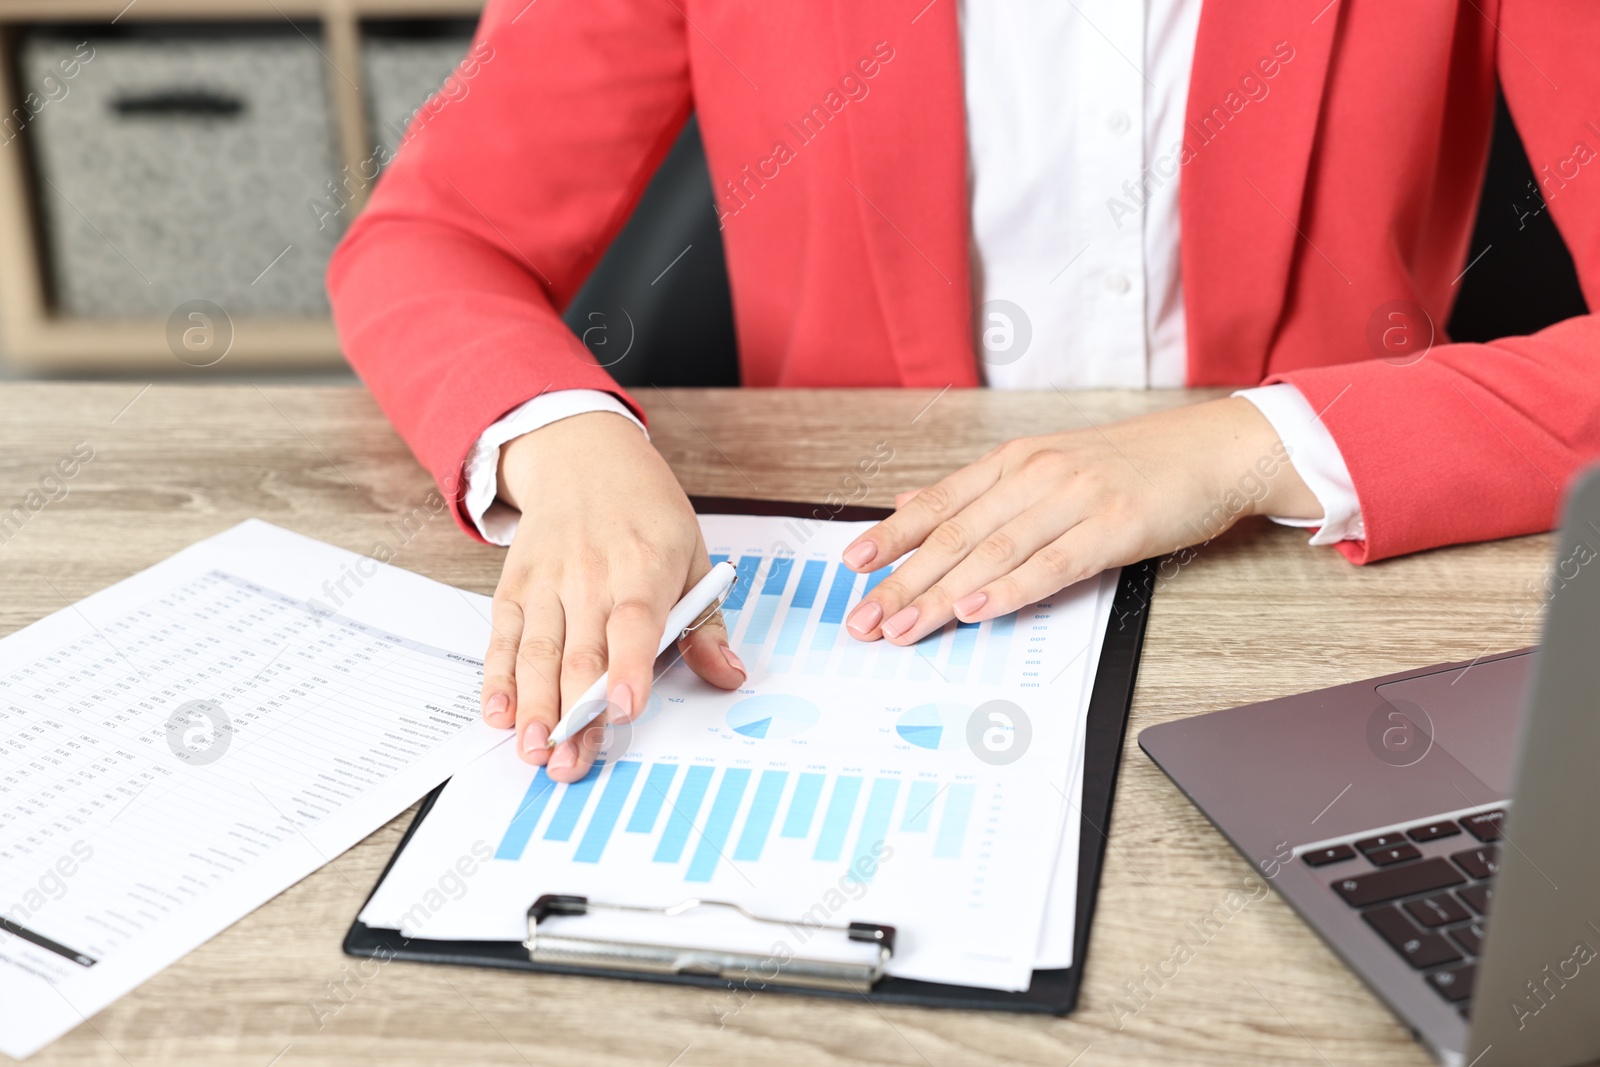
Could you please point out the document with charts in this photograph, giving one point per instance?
(183, 746)
(920, 787)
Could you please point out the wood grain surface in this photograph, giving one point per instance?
(1256, 614)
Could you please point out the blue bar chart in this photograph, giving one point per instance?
(803, 805)
(681, 817)
(962, 644)
(874, 828)
(829, 624)
(953, 825)
(919, 807)
(653, 796)
(714, 835)
(786, 616)
(528, 813)
(758, 821)
(606, 813)
(836, 819)
(699, 817)
(796, 616)
(767, 604)
(747, 568)
(994, 664)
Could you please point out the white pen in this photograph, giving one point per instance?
(708, 592)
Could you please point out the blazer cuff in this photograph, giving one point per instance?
(496, 521)
(1316, 459)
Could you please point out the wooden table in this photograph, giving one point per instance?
(1257, 614)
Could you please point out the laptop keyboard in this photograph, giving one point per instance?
(1430, 908)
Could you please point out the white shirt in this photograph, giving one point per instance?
(1069, 106)
(1059, 119)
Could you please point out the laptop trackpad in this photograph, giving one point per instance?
(1472, 713)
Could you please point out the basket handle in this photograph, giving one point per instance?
(178, 103)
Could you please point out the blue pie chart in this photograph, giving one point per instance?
(930, 725)
(771, 716)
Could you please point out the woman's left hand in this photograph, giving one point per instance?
(1040, 513)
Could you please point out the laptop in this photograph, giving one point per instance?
(1439, 828)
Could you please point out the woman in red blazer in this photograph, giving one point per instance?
(1354, 186)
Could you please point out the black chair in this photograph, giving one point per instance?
(656, 311)
(1526, 280)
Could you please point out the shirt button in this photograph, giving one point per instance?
(1117, 122)
(1117, 282)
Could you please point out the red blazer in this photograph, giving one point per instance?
(1334, 158)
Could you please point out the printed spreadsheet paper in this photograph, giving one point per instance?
(921, 787)
(135, 824)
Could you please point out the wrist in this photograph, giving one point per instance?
(1264, 467)
(533, 459)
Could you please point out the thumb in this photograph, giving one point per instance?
(706, 648)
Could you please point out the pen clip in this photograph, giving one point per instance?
(711, 610)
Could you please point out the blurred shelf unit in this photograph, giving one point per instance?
(175, 173)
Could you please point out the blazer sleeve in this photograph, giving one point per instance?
(1480, 441)
(509, 186)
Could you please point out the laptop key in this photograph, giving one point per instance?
(1433, 831)
(1323, 856)
(1480, 862)
(1454, 983)
(1439, 910)
(1485, 826)
(1469, 938)
(1392, 883)
(1370, 844)
(1419, 949)
(1477, 897)
(1383, 857)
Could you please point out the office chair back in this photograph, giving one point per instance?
(656, 310)
(1521, 278)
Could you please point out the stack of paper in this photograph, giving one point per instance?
(179, 748)
(932, 788)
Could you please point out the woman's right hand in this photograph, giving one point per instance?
(587, 583)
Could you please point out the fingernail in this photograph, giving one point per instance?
(495, 710)
(860, 554)
(565, 755)
(902, 621)
(535, 736)
(865, 617)
(621, 702)
(734, 661)
(971, 604)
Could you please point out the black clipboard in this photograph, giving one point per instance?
(1053, 992)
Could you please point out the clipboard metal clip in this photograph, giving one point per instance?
(591, 953)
